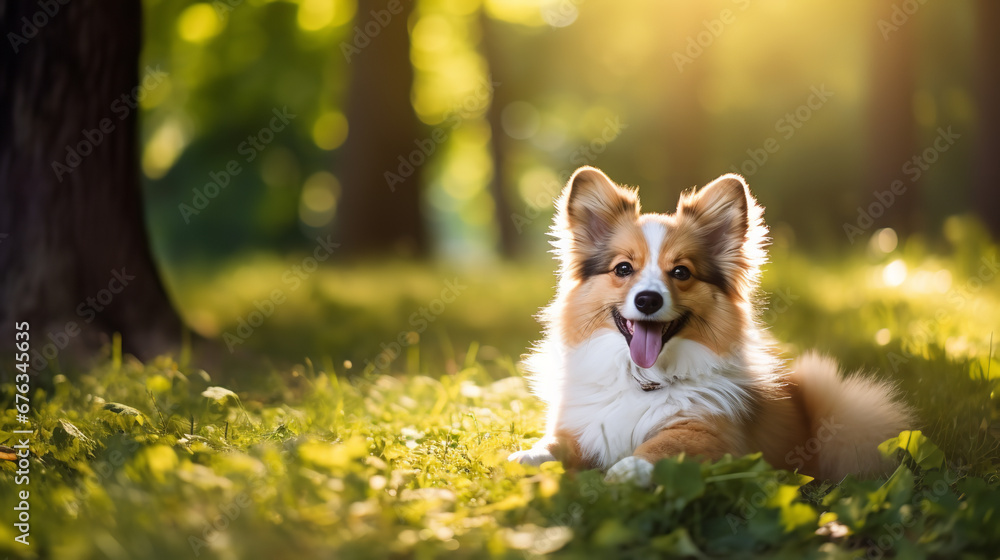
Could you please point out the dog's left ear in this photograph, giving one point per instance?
(722, 206)
(731, 226)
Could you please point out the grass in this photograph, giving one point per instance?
(298, 456)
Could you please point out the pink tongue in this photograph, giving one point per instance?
(647, 341)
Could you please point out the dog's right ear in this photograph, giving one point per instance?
(590, 210)
(592, 205)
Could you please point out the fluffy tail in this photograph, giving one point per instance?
(848, 418)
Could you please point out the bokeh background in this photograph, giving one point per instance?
(442, 130)
(347, 202)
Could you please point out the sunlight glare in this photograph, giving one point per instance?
(559, 13)
(894, 273)
(942, 281)
(885, 240)
(315, 14)
(539, 186)
(330, 130)
(319, 199)
(198, 23)
(433, 33)
(883, 336)
(957, 347)
(523, 12)
(163, 149)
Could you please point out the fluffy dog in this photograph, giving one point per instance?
(652, 347)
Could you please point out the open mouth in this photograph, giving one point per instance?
(645, 339)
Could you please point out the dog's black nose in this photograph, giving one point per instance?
(648, 302)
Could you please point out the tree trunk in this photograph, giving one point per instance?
(499, 72)
(891, 123)
(386, 146)
(986, 178)
(75, 257)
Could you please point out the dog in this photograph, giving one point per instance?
(652, 346)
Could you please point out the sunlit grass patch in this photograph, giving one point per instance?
(164, 460)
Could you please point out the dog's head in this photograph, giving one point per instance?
(652, 277)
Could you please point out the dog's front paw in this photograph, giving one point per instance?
(533, 456)
(631, 469)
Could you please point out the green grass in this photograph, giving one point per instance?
(295, 455)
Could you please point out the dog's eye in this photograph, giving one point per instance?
(680, 272)
(623, 269)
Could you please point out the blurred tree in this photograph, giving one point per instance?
(986, 178)
(890, 118)
(683, 123)
(384, 153)
(499, 67)
(75, 258)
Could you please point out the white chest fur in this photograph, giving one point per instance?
(592, 392)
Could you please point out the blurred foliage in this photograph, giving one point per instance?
(595, 82)
(163, 460)
(381, 399)
(910, 295)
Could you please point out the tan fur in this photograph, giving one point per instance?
(587, 303)
(710, 438)
(584, 307)
(829, 431)
(807, 418)
(568, 451)
(848, 418)
(779, 424)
